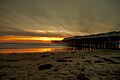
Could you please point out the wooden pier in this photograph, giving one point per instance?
(109, 40)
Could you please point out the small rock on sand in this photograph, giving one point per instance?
(82, 77)
(45, 66)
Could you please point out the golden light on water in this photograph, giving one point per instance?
(29, 50)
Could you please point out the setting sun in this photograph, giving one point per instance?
(47, 38)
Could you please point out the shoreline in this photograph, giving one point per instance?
(74, 65)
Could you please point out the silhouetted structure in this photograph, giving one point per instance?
(109, 40)
(56, 42)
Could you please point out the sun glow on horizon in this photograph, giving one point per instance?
(28, 38)
(47, 38)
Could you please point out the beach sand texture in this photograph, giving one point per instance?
(74, 65)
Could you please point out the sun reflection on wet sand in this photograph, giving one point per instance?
(42, 49)
(30, 50)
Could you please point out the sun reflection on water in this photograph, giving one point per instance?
(42, 49)
(30, 50)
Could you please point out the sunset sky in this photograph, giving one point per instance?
(44, 20)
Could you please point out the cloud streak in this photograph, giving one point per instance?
(22, 32)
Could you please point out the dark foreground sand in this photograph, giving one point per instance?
(83, 65)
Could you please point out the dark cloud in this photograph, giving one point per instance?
(69, 16)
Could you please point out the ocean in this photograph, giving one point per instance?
(30, 47)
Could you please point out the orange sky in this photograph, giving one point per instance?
(27, 39)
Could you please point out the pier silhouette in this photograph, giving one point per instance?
(110, 40)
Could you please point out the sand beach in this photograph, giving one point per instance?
(74, 65)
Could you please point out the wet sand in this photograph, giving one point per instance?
(74, 65)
